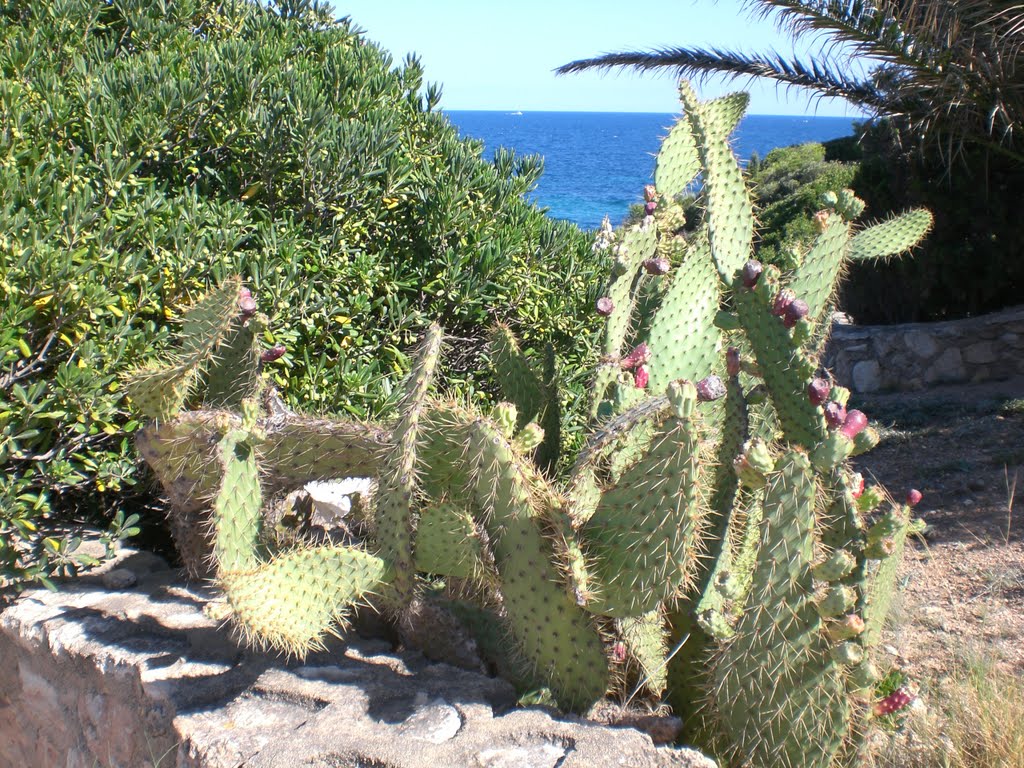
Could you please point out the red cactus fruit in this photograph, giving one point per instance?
(605, 306)
(619, 651)
(835, 414)
(658, 266)
(782, 301)
(641, 354)
(751, 273)
(710, 388)
(894, 702)
(857, 485)
(641, 376)
(650, 207)
(650, 193)
(818, 391)
(854, 424)
(796, 311)
(246, 303)
(732, 361)
(914, 497)
(274, 353)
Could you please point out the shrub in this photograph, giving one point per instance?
(147, 150)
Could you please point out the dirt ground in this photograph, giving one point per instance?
(963, 584)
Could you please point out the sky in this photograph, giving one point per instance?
(500, 55)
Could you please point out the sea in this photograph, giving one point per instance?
(596, 163)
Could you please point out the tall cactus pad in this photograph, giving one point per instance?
(551, 632)
(678, 160)
(291, 602)
(160, 391)
(780, 697)
(519, 384)
(891, 237)
(691, 302)
(643, 538)
(730, 213)
(238, 508)
(396, 508)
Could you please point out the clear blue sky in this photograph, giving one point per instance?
(500, 55)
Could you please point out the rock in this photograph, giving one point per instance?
(333, 499)
(94, 677)
(119, 578)
(920, 343)
(980, 352)
(947, 368)
(867, 376)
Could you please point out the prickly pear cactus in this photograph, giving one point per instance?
(709, 543)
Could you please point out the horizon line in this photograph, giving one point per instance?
(635, 112)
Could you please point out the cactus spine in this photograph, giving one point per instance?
(710, 511)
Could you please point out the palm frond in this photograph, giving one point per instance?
(699, 63)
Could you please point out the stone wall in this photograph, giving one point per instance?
(880, 358)
(125, 669)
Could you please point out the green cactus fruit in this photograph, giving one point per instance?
(838, 600)
(865, 441)
(549, 628)
(505, 416)
(849, 205)
(848, 654)
(891, 237)
(780, 695)
(397, 504)
(832, 451)
(529, 438)
(870, 499)
(838, 565)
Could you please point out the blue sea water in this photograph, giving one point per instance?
(596, 163)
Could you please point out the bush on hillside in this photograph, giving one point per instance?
(147, 150)
(973, 260)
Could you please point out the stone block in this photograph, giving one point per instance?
(144, 675)
(980, 352)
(920, 343)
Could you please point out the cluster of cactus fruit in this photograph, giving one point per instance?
(710, 543)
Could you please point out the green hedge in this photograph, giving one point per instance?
(149, 149)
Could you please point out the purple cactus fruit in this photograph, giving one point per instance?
(641, 354)
(650, 193)
(246, 303)
(782, 301)
(914, 497)
(274, 353)
(796, 311)
(710, 388)
(854, 424)
(818, 391)
(894, 702)
(650, 208)
(751, 273)
(732, 361)
(605, 306)
(658, 266)
(641, 376)
(835, 414)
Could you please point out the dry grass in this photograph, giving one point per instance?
(973, 719)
